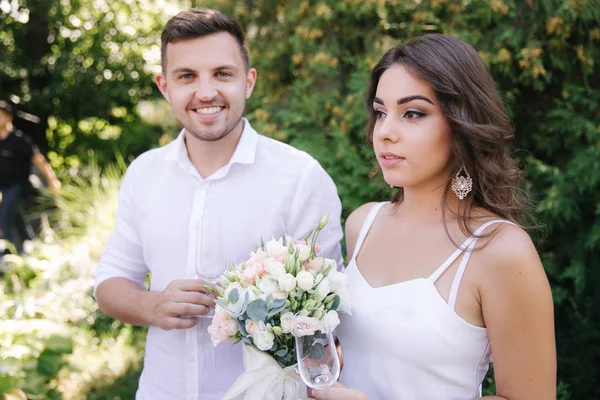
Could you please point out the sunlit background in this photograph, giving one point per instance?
(80, 73)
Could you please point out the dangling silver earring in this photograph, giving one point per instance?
(462, 185)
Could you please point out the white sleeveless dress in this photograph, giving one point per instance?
(404, 342)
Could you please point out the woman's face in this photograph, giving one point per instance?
(411, 136)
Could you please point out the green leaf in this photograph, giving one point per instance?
(60, 344)
(317, 351)
(336, 303)
(257, 310)
(277, 303)
(276, 310)
(234, 296)
(247, 340)
(7, 383)
(242, 327)
(49, 363)
(320, 335)
(282, 352)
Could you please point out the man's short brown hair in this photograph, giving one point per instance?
(199, 22)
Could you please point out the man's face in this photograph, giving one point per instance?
(206, 82)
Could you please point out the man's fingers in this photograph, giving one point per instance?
(190, 285)
(179, 323)
(195, 298)
(187, 309)
(336, 392)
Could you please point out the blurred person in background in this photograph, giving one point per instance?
(17, 153)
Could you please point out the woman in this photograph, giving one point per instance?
(444, 277)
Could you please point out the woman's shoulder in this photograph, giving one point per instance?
(354, 223)
(356, 219)
(509, 251)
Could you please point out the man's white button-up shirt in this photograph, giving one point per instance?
(174, 224)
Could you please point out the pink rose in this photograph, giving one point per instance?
(306, 326)
(257, 257)
(221, 327)
(252, 271)
(229, 327)
(304, 242)
(251, 326)
(316, 264)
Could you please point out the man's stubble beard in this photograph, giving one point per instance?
(222, 134)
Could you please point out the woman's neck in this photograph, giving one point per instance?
(426, 204)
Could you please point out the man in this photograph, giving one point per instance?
(207, 198)
(17, 153)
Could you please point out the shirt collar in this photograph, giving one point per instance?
(245, 152)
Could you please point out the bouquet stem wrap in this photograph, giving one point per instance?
(263, 378)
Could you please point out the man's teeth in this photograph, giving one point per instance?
(208, 111)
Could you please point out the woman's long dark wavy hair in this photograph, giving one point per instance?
(481, 131)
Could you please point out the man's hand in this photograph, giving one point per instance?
(54, 185)
(46, 169)
(179, 305)
(338, 392)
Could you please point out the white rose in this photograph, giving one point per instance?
(234, 285)
(237, 307)
(251, 326)
(323, 289)
(267, 285)
(236, 274)
(251, 294)
(333, 320)
(275, 247)
(345, 302)
(305, 280)
(303, 251)
(263, 339)
(306, 326)
(286, 322)
(274, 268)
(279, 295)
(337, 279)
(287, 282)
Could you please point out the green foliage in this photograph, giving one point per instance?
(82, 67)
(54, 343)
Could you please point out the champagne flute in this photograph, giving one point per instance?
(206, 252)
(318, 361)
(211, 278)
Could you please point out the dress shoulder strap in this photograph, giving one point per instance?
(463, 263)
(366, 226)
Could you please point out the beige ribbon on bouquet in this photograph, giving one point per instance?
(263, 378)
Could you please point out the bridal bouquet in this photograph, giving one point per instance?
(257, 301)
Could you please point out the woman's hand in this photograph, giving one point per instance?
(337, 392)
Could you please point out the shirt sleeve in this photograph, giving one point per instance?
(123, 256)
(316, 195)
